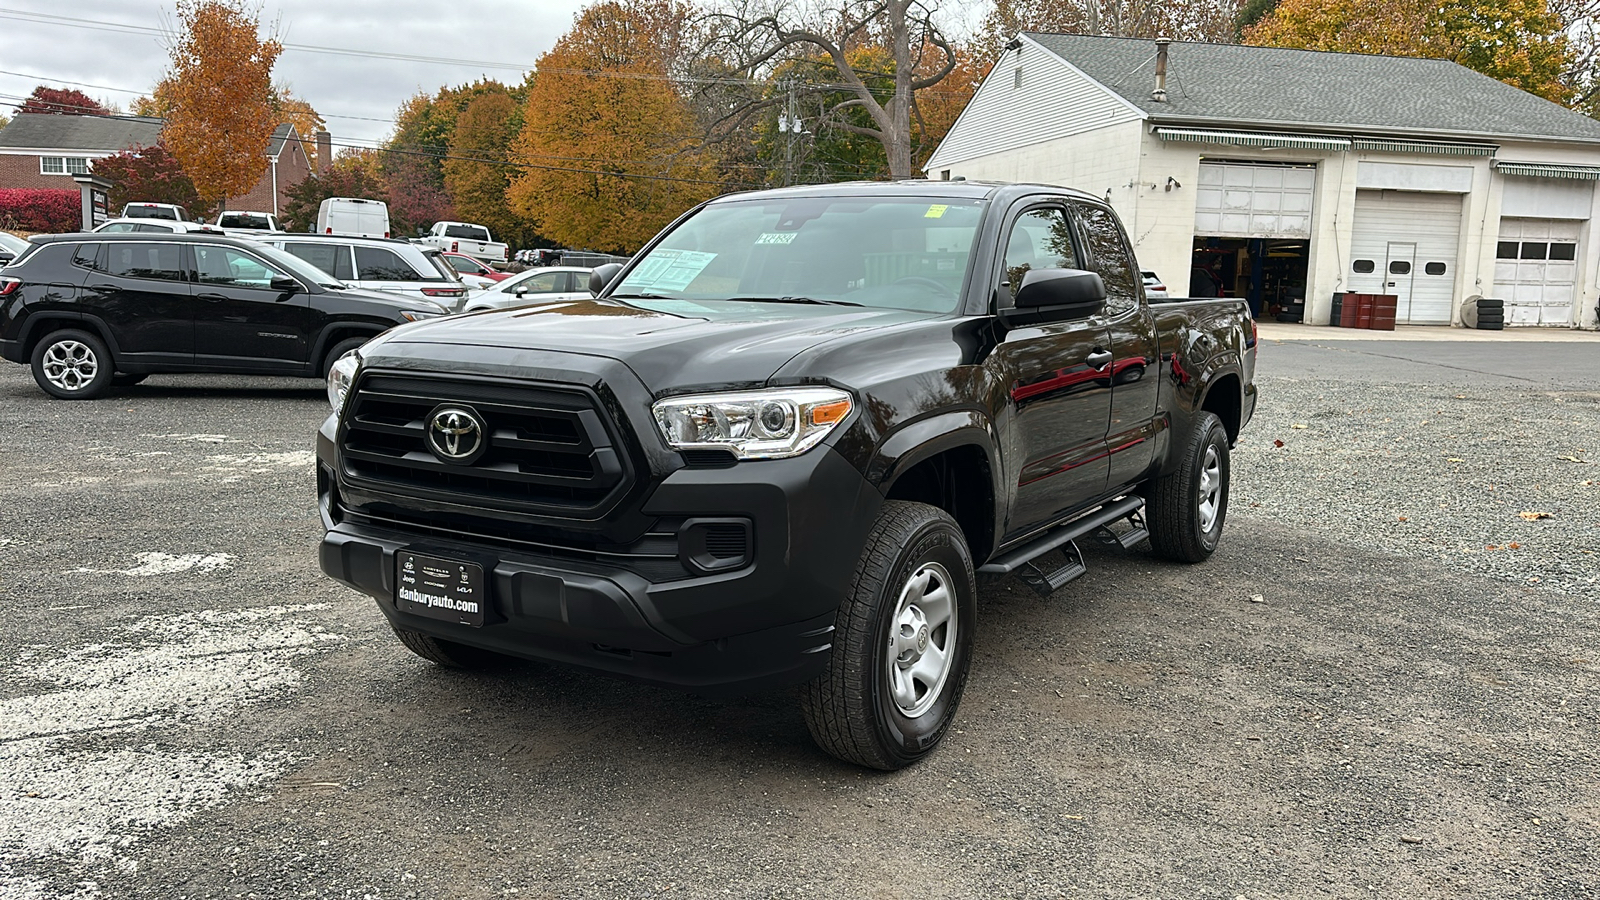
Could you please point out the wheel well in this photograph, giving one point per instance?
(959, 482)
(47, 326)
(336, 335)
(1223, 399)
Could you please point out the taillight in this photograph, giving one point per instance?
(443, 292)
(8, 286)
(455, 246)
(330, 229)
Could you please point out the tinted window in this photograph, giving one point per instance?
(334, 259)
(1400, 267)
(1040, 239)
(1434, 268)
(1363, 266)
(1535, 249)
(1109, 258)
(1563, 251)
(378, 264)
(546, 283)
(1506, 250)
(85, 255)
(463, 264)
(144, 261)
(148, 211)
(467, 232)
(143, 228)
(246, 220)
(119, 227)
(231, 268)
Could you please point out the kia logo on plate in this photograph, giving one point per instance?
(456, 434)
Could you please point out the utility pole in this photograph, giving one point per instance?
(789, 124)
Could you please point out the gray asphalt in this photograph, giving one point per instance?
(1326, 708)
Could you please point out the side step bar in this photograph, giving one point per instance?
(1021, 561)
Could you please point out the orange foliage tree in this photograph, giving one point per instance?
(609, 149)
(222, 113)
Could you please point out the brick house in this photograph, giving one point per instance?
(46, 150)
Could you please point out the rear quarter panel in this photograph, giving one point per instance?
(1203, 343)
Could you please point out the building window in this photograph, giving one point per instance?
(1399, 267)
(1362, 267)
(1016, 77)
(1506, 250)
(63, 165)
(1564, 251)
(1535, 249)
(1433, 268)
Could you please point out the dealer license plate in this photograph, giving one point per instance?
(447, 589)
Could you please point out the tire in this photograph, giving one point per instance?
(72, 365)
(340, 349)
(121, 379)
(1188, 507)
(912, 599)
(449, 654)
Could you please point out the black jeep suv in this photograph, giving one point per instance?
(92, 310)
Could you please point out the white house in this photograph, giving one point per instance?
(1292, 175)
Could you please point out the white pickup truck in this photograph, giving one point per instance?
(465, 237)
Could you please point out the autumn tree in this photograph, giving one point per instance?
(353, 173)
(299, 113)
(62, 102)
(476, 174)
(1520, 42)
(222, 115)
(609, 150)
(1192, 20)
(920, 57)
(150, 174)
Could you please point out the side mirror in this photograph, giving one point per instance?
(285, 285)
(1062, 293)
(520, 290)
(602, 276)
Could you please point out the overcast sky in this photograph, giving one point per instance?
(57, 43)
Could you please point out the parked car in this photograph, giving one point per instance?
(465, 237)
(156, 211)
(1154, 288)
(11, 247)
(474, 274)
(247, 222)
(354, 217)
(91, 311)
(534, 286)
(779, 444)
(154, 226)
(378, 264)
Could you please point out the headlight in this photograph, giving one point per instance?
(417, 315)
(770, 424)
(341, 375)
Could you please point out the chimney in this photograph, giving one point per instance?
(324, 152)
(1159, 95)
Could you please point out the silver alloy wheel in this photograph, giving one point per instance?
(1210, 488)
(70, 365)
(922, 640)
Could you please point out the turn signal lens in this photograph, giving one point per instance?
(830, 413)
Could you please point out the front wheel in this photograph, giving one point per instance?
(1187, 507)
(902, 643)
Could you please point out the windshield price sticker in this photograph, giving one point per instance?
(668, 270)
(936, 211)
(777, 237)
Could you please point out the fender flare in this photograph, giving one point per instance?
(925, 438)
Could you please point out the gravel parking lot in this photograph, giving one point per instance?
(1383, 684)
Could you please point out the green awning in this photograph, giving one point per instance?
(1251, 139)
(1546, 170)
(1423, 147)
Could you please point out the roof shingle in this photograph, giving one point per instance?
(103, 134)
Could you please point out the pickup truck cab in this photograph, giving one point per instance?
(467, 239)
(781, 444)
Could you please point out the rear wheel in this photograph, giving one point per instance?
(1187, 507)
(72, 365)
(902, 643)
(448, 653)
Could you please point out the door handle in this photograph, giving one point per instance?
(1389, 284)
(211, 298)
(1099, 359)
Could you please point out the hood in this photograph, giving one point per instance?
(669, 344)
(390, 300)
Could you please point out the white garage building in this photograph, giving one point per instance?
(1287, 176)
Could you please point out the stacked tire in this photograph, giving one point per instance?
(1488, 313)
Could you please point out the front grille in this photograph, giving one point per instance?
(548, 449)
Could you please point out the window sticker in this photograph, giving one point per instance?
(936, 211)
(669, 270)
(777, 237)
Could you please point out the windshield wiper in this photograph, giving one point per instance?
(809, 300)
(646, 295)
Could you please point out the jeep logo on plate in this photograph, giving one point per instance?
(456, 434)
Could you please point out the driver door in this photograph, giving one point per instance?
(241, 321)
(1058, 387)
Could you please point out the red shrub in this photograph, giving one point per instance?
(41, 209)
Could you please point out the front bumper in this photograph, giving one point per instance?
(765, 624)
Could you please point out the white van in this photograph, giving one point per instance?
(351, 216)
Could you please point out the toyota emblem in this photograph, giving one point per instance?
(456, 434)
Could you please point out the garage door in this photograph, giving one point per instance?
(1536, 270)
(1251, 200)
(1405, 244)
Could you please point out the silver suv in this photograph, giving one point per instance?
(378, 264)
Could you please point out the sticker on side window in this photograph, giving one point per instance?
(777, 237)
(667, 270)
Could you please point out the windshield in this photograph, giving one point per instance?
(887, 252)
(297, 266)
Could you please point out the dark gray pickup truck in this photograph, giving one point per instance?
(781, 444)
